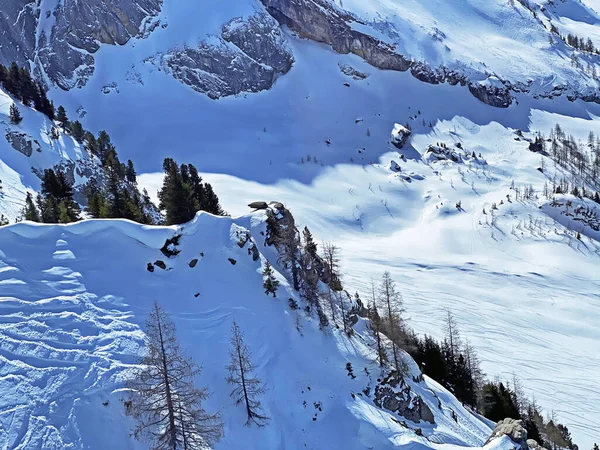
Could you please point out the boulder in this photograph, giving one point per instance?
(400, 135)
(193, 262)
(395, 167)
(258, 205)
(514, 429)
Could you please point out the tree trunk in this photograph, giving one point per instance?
(243, 377)
(172, 427)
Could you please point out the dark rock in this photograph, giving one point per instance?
(395, 167)
(197, 294)
(258, 205)
(22, 143)
(277, 205)
(193, 262)
(400, 135)
(161, 264)
(492, 92)
(150, 267)
(169, 248)
(232, 261)
(395, 395)
(253, 250)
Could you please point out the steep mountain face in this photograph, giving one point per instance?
(70, 335)
(247, 57)
(57, 39)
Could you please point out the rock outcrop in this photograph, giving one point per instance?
(400, 135)
(514, 429)
(60, 42)
(396, 396)
(247, 57)
(22, 143)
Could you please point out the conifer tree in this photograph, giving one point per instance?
(130, 174)
(391, 302)
(164, 400)
(61, 117)
(247, 388)
(309, 244)
(30, 212)
(77, 131)
(15, 115)
(270, 284)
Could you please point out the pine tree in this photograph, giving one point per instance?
(391, 302)
(77, 131)
(596, 447)
(30, 212)
(175, 197)
(3, 220)
(130, 174)
(15, 115)
(270, 284)
(309, 244)
(164, 401)
(247, 388)
(61, 117)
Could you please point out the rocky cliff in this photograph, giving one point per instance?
(58, 39)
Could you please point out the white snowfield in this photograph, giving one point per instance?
(524, 289)
(73, 299)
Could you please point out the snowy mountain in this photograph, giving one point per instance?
(70, 334)
(296, 101)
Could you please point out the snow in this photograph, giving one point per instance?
(70, 332)
(525, 292)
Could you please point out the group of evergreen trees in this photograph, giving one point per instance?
(18, 82)
(166, 404)
(55, 204)
(183, 193)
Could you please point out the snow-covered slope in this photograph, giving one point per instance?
(27, 149)
(74, 298)
(527, 285)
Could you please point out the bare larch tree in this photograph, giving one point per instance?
(247, 388)
(391, 302)
(163, 398)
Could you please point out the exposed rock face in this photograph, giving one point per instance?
(69, 33)
(317, 20)
(395, 395)
(514, 429)
(493, 92)
(400, 135)
(21, 142)
(247, 57)
(441, 153)
(320, 21)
